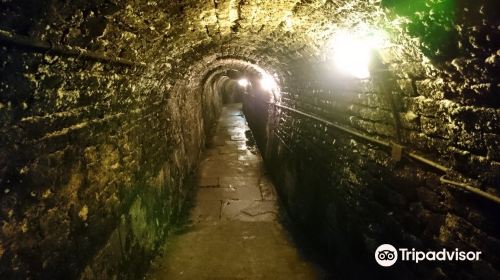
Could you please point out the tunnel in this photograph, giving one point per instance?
(249, 139)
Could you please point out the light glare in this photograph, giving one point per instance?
(268, 83)
(352, 51)
(243, 82)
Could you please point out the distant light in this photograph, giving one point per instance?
(352, 51)
(243, 82)
(268, 83)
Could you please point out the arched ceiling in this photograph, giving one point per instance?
(283, 37)
(166, 34)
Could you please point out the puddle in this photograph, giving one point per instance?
(251, 145)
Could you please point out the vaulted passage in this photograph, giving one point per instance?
(249, 139)
(235, 233)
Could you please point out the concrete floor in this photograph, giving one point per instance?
(235, 231)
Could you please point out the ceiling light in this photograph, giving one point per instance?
(352, 51)
(268, 83)
(243, 82)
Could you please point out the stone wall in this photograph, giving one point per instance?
(346, 193)
(92, 153)
(94, 156)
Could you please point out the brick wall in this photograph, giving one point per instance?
(94, 156)
(348, 196)
(92, 153)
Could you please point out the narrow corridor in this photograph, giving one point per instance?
(235, 231)
(378, 122)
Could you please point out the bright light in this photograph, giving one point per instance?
(268, 83)
(352, 51)
(243, 82)
(351, 55)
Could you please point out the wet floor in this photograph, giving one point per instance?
(235, 231)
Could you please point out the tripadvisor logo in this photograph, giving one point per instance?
(387, 255)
